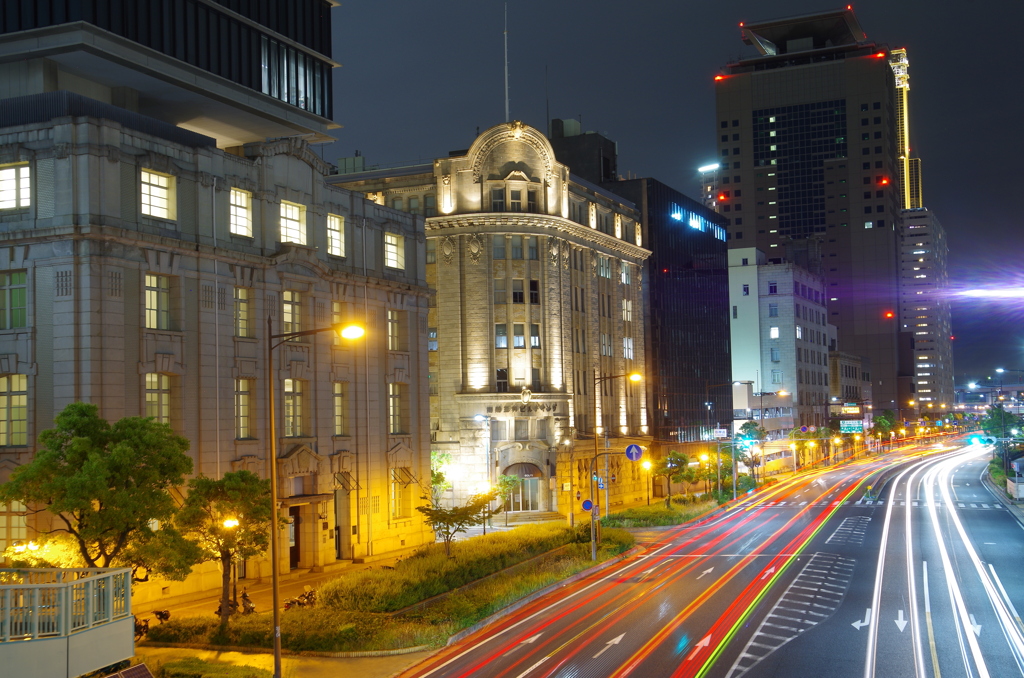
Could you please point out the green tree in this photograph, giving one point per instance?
(439, 484)
(109, 487)
(506, 486)
(447, 522)
(884, 423)
(676, 467)
(229, 519)
(754, 432)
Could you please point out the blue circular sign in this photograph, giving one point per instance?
(587, 504)
(633, 453)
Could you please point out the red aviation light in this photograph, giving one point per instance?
(884, 181)
(722, 196)
(880, 55)
(741, 24)
(719, 77)
(888, 315)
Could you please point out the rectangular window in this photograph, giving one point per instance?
(515, 201)
(499, 291)
(240, 213)
(398, 330)
(340, 408)
(518, 337)
(13, 300)
(773, 332)
(627, 348)
(13, 524)
(627, 310)
(497, 199)
(535, 381)
(431, 251)
(158, 302)
(775, 355)
(517, 247)
(14, 410)
(522, 429)
(625, 275)
(431, 338)
(799, 332)
(604, 267)
(498, 246)
(157, 195)
(243, 389)
(401, 493)
(291, 312)
(746, 290)
(293, 223)
(394, 251)
(293, 408)
(430, 205)
(336, 235)
(501, 335)
(15, 187)
(531, 248)
(776, 376)
(243, 312)
(158, 397)
(773, 288)
(531, 201)
(773, 310)
(534, 291)
(517, 292)
(397, 408)
(500, 386)
(414, 205)
(735, 312)
(534, 335)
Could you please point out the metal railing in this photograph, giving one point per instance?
(52, 602)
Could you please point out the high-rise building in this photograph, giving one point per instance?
(910, 168)
(536, 319)
(925, 307)
(153, 232)
(807, 132)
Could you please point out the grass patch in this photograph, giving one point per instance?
(658, 515)
(995, 471)
(332, 629)
(192, 667)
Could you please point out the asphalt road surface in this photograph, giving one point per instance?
(816, 576)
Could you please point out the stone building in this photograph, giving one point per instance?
(155, 213)
(536, 319)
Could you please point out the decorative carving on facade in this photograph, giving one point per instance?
(248, 462)
(447, 250)
(565, 256)
(61, 150)
(553, 249)
(514, 130)
(475, 247)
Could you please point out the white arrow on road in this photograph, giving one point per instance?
(867, 620)
(531, 639)
(613, 641)
(975, 626)
(901, 622)
(768, 572)
(707, 571)
(704, 642)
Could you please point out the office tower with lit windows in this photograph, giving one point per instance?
(925, 307)
(810, 166)
(910, 168)
(160, 203)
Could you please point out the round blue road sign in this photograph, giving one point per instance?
(633, 453)
(587, 504)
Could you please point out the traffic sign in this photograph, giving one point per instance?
(721, 433)
(634, 452)
(613, 477)
(600, 484)
(578, 495)
(587, 504)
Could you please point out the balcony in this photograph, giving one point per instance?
(64, 622)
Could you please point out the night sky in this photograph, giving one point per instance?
(419, 78)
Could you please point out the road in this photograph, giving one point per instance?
(816, 576)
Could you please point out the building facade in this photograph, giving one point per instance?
(150, 261)
(781, 337)
(807, 135)
(537, 318)
(925, 306)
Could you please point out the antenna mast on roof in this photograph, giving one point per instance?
(507, 118)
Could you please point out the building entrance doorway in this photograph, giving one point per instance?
(526, 495)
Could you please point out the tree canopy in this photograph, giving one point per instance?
(110, 488)
(447, 522)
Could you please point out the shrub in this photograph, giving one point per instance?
(192, 667)
(656, 515)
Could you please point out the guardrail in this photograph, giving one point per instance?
(53, 602)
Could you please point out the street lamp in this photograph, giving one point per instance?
(490, 466)
(647, 467)
(349, 331)
(230, 524)
(704, 463)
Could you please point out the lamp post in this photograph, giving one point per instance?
(792, 449)
(647, 467)
(489, 471)
(230, 524)
(346, 332)
(598, 380)
(568, 441)
(704, 463)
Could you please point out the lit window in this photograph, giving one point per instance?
(15, 187)
(158, 302)
(398, 331)
(158, 397)
(394, 251)
(291, 312)
(501, 335)
(240, 217)
(340, 408)
(243, 312)
(534, 336)
(626, 275)
(242, 393)
(157, 195)
(13, 288)
(517, 292)
(13, 524)
(431, 338)
(604, 267)
(401, 493)
(627, 348)
(799, 332)
(293, 223)
(397, 406)
(627, 310)
(518, 336)
(14, 410)
(336, 235)
(773, 333)
(292, 408)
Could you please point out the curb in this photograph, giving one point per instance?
(526, 600)
(292, 653)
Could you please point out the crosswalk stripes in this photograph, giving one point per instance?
(809, 600)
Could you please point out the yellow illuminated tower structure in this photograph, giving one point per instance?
(909, 168)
